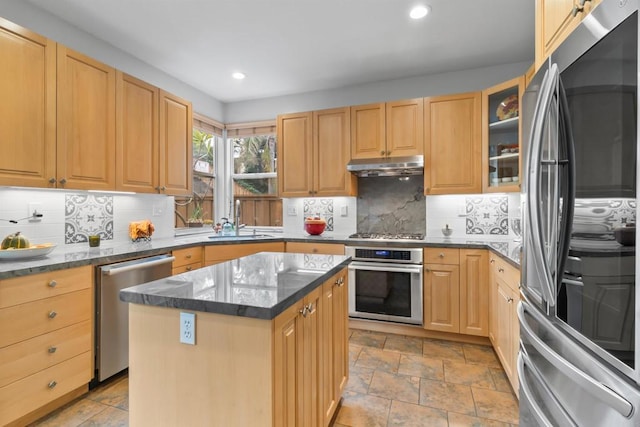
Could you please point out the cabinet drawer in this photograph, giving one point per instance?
(21, 397)
(442, 256)
(42, 316)
(187, 256)
(218, 253)
(505, 271)
(184, 268)
(316, 248)
(20, 290)
(27, 357)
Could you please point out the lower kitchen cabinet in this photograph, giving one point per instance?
(315, 248)
(456, 291)
(504, 329)
(215, 254)
(46, 357)
(187, 259)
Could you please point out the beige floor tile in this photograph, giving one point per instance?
(471, 375)
(359, 379)
(72, 414)
(368, 339)
(409, 415)
(110, 417)
(354, 352)
(361, 410)
(481, 355)
(420, 366)
(447, 396)
(396, 387)
(403, 344)
(460, 420)
(114, 393)
(378, 359)
(496, 405)
(500, 379)
(440, 349)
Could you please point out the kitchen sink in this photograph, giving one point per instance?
(240, 237)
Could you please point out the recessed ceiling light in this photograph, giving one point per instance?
(238, 75)
(419, 12)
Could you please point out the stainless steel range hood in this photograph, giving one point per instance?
(385, 166)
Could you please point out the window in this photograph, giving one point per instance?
(254, 176)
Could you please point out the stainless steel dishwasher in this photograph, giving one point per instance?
(112, 315)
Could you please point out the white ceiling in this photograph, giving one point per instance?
(293, 46)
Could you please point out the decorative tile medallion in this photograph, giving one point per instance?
(487, 215)
(597, 216)
(322, 207)
(87, 214)
(317, 262)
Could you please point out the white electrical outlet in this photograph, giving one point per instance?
(344, 210)
(158, 209)
(188, 328)
(292, 211)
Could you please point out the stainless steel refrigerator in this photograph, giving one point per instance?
(578, 363)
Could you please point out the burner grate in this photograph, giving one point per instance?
(388, 236)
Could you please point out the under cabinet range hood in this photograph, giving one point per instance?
(385, 166)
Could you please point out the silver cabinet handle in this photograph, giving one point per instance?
(341, 282)
(509, 300)
(52, 349)
(382, 153)
(303, 311)
(492, 261)
(52, 384)
(52, 284)
(52, 314)
(188, 256)
(501, 270)
(52, 180)
(593, 387)
(441, 255)
(188, 268)
(63, 181)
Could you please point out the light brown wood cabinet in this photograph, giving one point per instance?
(215, 254)
(453, 144)
(455, 294)
(187, 259)
(504, 328)
(315, 248)
(86, 122)
(313, 154)
(555, 20)
(176, 139)
(28, 102)
(47, 355)
(392, 129)
(501, 157)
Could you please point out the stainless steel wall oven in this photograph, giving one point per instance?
(385, 283)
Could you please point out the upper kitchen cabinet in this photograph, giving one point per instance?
(313, 154)
(392, 129)
(501, 158)
(28, 105)
(85, 122)
(453, 144)
(555, 20)
(176, 127)
(137, 140)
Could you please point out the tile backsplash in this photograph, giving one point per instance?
(487, 215)
(339, 212)
(601, 216)
(69, 216)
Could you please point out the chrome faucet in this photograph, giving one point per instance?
(237, 224)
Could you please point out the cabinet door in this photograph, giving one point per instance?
(28, 105)
(287, 367)
(474, 292)
(137, 149)
(505, 334)
(341, 332)
(368, 131)
(453, 144)
(295, 168)
(311, 356)
(316, 248)
(554, 21)
(86, 122)
(176, 136)
(442, 298)
(493, 304)
(405, 127)
(331, 153)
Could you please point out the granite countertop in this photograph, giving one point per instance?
(69, 256)
(259, 286)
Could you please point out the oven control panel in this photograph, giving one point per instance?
(397, 255)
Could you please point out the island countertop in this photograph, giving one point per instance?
(259, 286)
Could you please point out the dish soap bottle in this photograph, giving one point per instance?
(227, 227)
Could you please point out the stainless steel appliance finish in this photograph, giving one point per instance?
(385, 166)
(578, 363)
(387, 236)
(385, 283)
(112, 316)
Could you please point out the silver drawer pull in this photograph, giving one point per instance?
(52, 349)
(501, 270)
(441, 255)
(311, 309)
(188, 256)
(52, 384)
(52, 314)
(492, 261)
(341, 281)
(52, 284)
(303, 311)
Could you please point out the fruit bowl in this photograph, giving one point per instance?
(315, 227)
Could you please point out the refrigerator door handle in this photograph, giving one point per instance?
(525, 389)
(596, 389)
(534, 211)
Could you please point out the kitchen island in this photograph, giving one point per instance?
(270, 343)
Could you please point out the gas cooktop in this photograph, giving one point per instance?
(388, 236)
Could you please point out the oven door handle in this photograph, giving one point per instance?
(385, 267)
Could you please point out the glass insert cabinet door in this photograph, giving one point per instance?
(501, 163)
